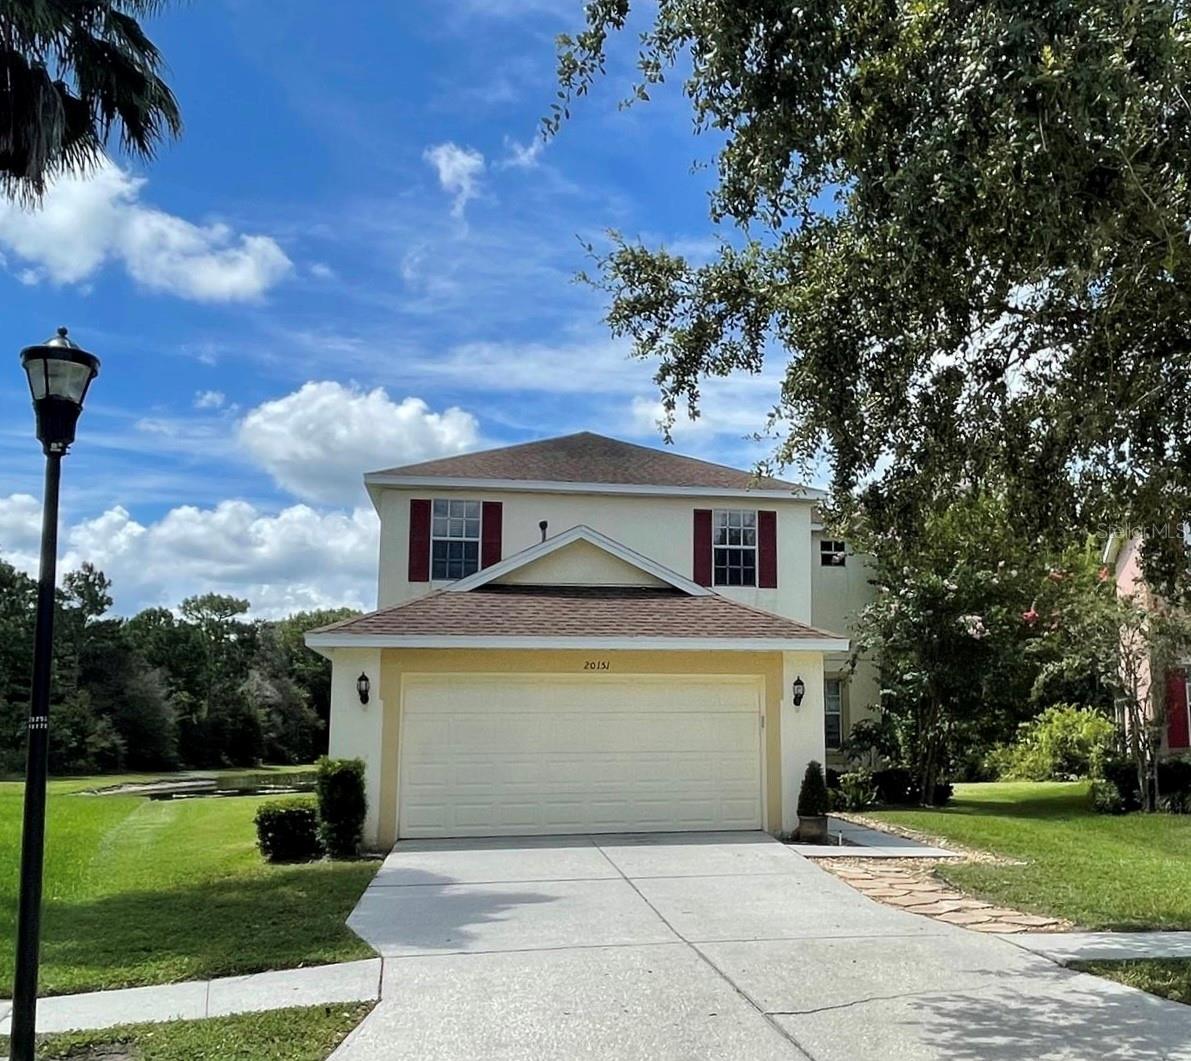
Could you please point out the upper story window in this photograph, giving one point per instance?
(832, 553)
(454, 539)
(734, 547)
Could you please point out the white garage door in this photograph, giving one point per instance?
(485, 755)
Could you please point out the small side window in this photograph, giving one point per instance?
(832, 553)
(833, 713)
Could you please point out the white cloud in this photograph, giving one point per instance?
(522, 156)
(210, 400)
(318, 441)
(20, 531)
(295, 559)
(459, 170)
(84, 223)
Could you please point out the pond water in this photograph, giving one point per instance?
(248, 784)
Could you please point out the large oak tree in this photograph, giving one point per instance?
(964, 224)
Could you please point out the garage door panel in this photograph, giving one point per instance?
(507, 755)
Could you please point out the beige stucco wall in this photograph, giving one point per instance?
(659, 527)
(580, 564)
(791, 736)
(838, 595)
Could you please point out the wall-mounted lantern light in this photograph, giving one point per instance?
(798, 690)
(362, 687)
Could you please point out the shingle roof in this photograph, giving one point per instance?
(575, 611)
(590, 458)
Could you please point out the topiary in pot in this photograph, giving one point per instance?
(812, 806)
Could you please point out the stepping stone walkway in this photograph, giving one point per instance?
(913, 889)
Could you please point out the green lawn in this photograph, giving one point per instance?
(144, 892)
(1099, 871)
(1168, 977)
(302, 1034)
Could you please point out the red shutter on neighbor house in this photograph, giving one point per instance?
(490, 533)
(419, 540)
(767, 550)
(1178, 730)
(702, 547)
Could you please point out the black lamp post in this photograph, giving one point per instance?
(59, 374)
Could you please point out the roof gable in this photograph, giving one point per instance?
(581, 563)
(593, 459)
(613, 550)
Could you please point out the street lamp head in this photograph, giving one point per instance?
(59, 371)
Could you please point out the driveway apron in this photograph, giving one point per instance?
(706, 945)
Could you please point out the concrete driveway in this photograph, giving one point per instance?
(722, 945)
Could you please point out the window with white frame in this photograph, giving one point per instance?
(832, 553)
(833, 712)
(454, 539)
(734, 547)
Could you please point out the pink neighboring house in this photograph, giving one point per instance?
(1123, 557)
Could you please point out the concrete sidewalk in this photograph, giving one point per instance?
(1067, 947)
(320, 984)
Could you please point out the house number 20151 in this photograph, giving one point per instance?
(596, 664)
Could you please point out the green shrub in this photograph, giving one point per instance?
(341, 805)
(812, 797)
(1106, 798)
(287, 830)
(857, 789)
(1064, 743)
(1121, 772)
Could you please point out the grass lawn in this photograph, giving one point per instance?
(1168, 977)
(304, 1034)
(1099, 871)
(144, 892)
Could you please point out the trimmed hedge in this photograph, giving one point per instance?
(1174, 784)
(341, 805)
(897, 786)
(287, 830)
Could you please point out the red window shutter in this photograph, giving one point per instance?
(767, 550)
(419, 540)
(1177, 728)
(490, 533)
(702, 553)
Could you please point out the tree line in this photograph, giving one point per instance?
(200, 687)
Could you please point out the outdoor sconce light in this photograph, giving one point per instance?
(362, 687)
(798, 690)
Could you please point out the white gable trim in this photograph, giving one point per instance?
(337, 639)
(444, 482)
(567, 537)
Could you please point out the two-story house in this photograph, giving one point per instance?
(582, 635)
(1165, 685)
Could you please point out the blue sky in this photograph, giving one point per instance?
(356, 256)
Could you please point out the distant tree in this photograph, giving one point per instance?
(306, 667)
(291, 732)
(226, 643)
(69, 74)
(18, 601)
(146, 719)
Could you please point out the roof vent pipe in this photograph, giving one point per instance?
(542, 527)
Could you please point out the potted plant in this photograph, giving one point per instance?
(812, 806)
